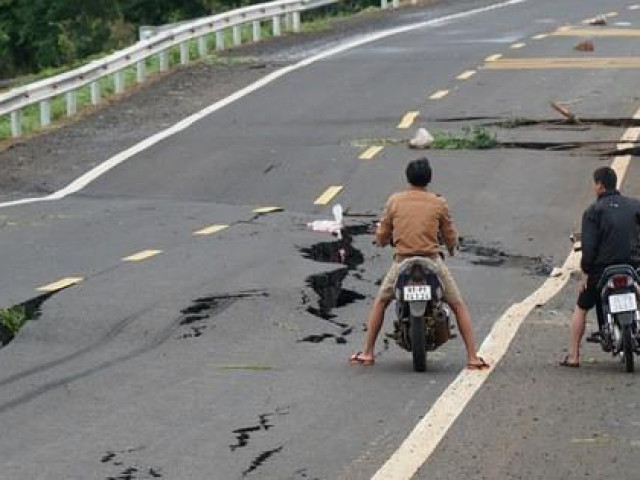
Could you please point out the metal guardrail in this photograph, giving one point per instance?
(280, 12)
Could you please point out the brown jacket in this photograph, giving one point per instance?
(414, 219)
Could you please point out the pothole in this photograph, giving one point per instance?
(194, 317)
(491, 256)
(328, 286)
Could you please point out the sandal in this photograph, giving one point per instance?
(356, 359)
(567, 363)
(478, 366)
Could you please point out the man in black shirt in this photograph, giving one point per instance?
(610, 228)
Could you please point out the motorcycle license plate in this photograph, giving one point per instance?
(625, 302)
(415, 293)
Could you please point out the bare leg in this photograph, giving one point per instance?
(463, 317)
(374, 324)
(576, 332)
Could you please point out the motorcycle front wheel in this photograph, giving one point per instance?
(418, 347)
(627, 348)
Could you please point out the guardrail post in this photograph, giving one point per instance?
(141, 71)
(45, 113)
(118, 82)
(220, 40)
(184, 53)
(95, 93)
(256, 30)
(288, 21)
(202, 46)
(72, 103)
(237, 35)
(296, 22)
(395, 3)
(384, 4)
(163, 58)
(276, 26)
(16, 123)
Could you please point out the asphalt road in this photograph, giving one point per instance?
(206, 360)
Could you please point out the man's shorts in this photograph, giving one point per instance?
(588, 298)
(451, 292)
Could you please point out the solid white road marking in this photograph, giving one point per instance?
(121, 157)
(428, 433)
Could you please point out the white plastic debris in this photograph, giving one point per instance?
(422, 139)
(334, 227)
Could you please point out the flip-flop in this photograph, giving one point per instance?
(478, 366)
(356, 359)
(567, 363)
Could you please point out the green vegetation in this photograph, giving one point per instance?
(75, 33)
(12, 319)
(476, 138)
(37, 35)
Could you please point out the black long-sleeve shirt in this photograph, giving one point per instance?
(610, 232)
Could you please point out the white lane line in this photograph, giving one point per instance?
(121, 157)
(425, 437)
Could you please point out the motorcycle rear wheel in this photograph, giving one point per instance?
(627, 348)
(418, 347)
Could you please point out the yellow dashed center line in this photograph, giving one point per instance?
(267, 209)
(466, 75)
(493, 58)
(60, 284)
(371, 152)
(408, 119)
(140, 256)
(540, 36)
(328, 195)
(516, 46)
(439, 94)
(211, 230)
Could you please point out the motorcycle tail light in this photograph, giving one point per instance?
(620, 281)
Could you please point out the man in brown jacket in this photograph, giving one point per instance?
(412, 221)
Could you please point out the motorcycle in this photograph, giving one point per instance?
(617, 311)
(423, 319)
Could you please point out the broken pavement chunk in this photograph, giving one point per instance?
(586, 46)
(565, 112)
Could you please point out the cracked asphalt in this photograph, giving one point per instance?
(224, 355)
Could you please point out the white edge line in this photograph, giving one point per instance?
(121, 157)
(427, 434)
